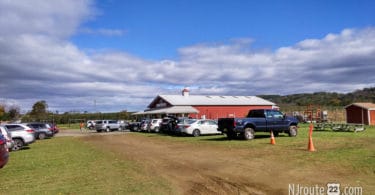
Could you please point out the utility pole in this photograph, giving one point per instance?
(95, 105)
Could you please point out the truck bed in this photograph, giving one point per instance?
(225, 124)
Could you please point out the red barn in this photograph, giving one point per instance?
(361, 113)
(205, 106)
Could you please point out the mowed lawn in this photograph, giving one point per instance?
(65, 165)
(347, 152)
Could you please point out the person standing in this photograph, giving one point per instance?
(81, 126)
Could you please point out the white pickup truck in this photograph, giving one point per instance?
(107, 125)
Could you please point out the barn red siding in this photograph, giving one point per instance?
(214, 112)
(355, 114)
(372, 117)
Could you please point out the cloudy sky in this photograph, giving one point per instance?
(113, 55)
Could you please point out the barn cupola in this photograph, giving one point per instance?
(185, 92)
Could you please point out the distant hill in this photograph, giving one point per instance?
(323, 98)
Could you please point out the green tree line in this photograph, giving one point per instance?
(67, 118)
(323, 98)
(40, 113)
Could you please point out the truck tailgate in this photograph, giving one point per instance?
(224, 124)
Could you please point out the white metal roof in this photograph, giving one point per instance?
(210, 100)
(169, 110)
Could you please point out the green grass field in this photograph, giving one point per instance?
(352, 150)
(64, 165)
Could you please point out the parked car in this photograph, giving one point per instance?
(124, 124)
(135, 126)
(4, 152)
(168, 124)
(42, 130)
(182, 124)
(198, 127)
(259, 120)
(90, 124)
(154, 125)
(107, 125)
(145, 125)
(22, 135)
(8, 136)
(52, 127)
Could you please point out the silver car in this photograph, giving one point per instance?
(107, 125)
(22, 135)
(8, 136)
(42, 130)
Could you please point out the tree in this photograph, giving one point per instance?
(2, 111)
(14, 112)
(39, 110)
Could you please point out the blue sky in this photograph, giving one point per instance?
(156, 29)
(112, 55)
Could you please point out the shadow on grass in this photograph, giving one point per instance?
(209, 137)
(216, 139)
(224, 138)
(23, 148)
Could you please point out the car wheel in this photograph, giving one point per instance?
(18, 144)
(292, 131)
(249, 133)
(156, 129)
(41, 136)
(196, 133)
(107, 129)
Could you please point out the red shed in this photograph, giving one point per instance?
(206, 106)
(362, 113)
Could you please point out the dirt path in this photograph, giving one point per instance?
(78, 133)
(206, 169)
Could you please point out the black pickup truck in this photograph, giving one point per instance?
(259, 120)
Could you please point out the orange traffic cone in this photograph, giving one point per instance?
(273, 142)
(311, 147)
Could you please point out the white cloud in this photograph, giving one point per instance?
(58, 18)
(38, 61)
(345, 59)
